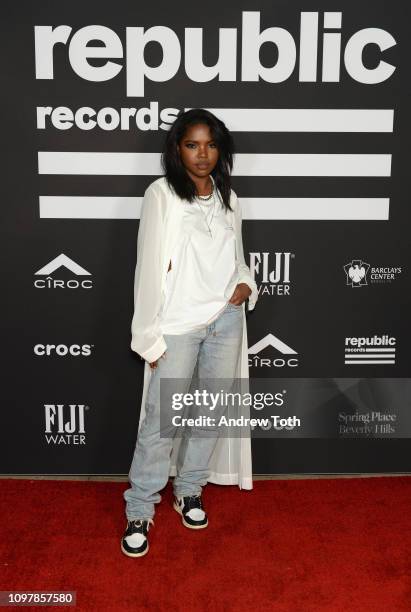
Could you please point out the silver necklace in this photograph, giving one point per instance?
(206, 199)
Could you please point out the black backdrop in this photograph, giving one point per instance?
(85, 209)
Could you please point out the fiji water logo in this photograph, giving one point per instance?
(64, 424)
(271, 272)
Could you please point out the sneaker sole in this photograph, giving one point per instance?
(178, 509)
(129, 554)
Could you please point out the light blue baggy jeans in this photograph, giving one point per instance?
(217, 347)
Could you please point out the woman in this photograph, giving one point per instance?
(191, 284)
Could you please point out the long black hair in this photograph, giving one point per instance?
(176, 174)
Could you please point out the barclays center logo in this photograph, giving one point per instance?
(359, 273)
(50, 276)
(356, 273)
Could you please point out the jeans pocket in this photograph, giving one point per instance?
(235, 306)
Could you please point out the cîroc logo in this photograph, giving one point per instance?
(62, 350)
(49, 282)
(65, 424)
(271, 271)
(278, 362)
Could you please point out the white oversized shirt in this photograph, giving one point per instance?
(159, 233)
(202, 268)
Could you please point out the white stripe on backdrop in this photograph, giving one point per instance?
(246, 164)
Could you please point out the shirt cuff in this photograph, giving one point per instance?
(155, 351)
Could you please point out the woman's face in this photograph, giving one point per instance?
(198, 151)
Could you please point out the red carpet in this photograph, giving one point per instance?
(338, 545)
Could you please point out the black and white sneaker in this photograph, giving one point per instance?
(192, 512)
(134, 542)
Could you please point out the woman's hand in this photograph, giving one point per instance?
(241, 293)
(154, 364)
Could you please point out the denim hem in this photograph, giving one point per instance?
(140, 518)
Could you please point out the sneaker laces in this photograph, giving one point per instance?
(194, 501)
(141, 521)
